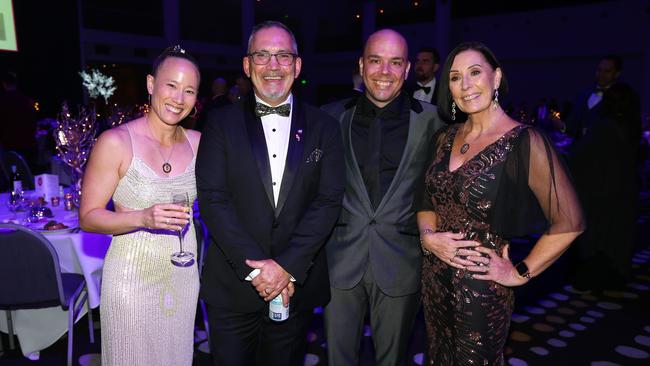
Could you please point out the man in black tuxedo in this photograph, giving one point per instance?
(427, 63)
(374, 253)
(586, 109)
(270, 178)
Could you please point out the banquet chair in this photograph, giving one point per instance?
(30, 278)
(202, 242)
(13, 158)
(5, 179)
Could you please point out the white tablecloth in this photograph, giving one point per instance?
(79, 252)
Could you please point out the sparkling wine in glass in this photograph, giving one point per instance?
(182, 258)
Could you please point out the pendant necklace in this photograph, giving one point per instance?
(465, 146)
(166, 167)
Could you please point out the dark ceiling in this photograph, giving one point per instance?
(219, 21)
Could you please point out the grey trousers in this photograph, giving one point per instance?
(391, 321)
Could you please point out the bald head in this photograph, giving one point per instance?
(384, 66)
(387, 36)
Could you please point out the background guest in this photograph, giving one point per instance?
(244, 87)
(605, 166)
(219, 98)
(427, 63)
(585, 110)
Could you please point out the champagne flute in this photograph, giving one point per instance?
(182, 258)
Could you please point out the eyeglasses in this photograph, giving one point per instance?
(263, 58)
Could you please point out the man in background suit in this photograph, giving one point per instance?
(427, 63)
(218, 99)
(270, 178)
(374, 253)
(586, 109)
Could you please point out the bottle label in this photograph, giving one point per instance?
(277, 311)
(18, 186)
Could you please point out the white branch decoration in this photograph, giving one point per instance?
(98, 84)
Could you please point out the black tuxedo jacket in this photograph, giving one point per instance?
(236, 202)
(581, 117)
(411, 89)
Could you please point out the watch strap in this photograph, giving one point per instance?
(522, 269)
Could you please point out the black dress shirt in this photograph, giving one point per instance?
(378, 139)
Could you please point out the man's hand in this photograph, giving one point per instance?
(271, 280)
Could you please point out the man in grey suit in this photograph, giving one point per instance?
(374, 254)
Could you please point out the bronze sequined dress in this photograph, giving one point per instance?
(490, 199)
(148, 305)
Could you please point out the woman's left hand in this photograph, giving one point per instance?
(495, 268)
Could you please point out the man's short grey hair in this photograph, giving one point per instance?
(272, 24)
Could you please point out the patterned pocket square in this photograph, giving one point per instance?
(315, 156)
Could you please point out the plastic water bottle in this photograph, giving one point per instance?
(277, 311)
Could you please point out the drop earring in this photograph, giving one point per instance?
(495, 102)
(453, 111)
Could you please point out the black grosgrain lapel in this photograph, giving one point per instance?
(258, 147)
(294, 154)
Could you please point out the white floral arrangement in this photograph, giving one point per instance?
(98, 84)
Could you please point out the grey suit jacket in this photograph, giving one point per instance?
(386, 239)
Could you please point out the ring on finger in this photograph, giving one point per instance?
(167, 221)
(267, 291)
(456, 252)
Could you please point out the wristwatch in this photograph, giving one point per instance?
(523, 271)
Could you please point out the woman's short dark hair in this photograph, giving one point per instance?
(173, 51)
(444, 94)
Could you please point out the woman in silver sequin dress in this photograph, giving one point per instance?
(490, 179)
(147, 304)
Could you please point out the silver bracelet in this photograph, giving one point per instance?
(424, 232)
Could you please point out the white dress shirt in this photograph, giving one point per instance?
(276, 133)
(594, 99)
(425, 97)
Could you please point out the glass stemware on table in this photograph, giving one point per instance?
(182, 258)
(27, 209)
(15, 201)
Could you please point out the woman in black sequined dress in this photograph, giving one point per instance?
(490, 179)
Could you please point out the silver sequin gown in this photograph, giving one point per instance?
(148, 305)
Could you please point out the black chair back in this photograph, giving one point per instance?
(30, 276)
(4, 173)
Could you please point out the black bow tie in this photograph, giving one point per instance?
(262, 110)
(426, 89)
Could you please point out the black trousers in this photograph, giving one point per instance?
(245, 339)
